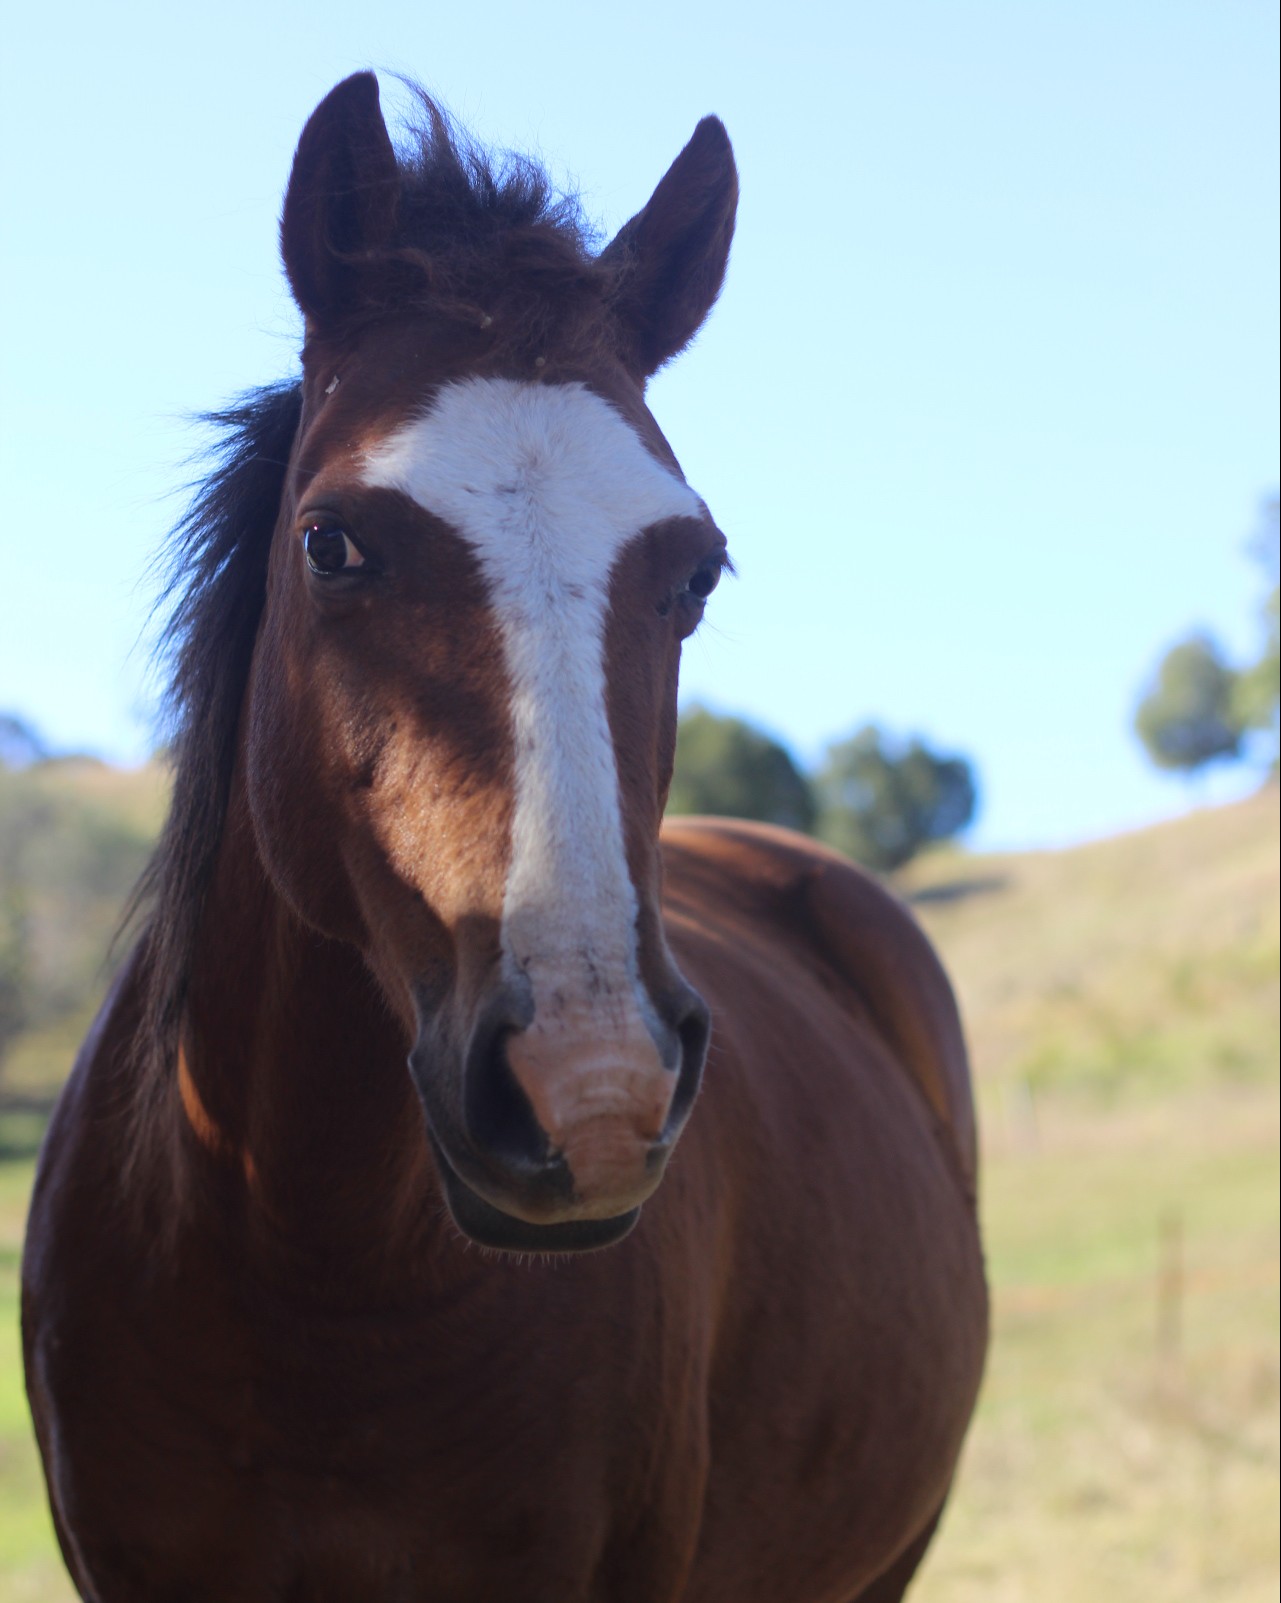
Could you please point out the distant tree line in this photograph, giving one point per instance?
(875, 797)
(1199, 708)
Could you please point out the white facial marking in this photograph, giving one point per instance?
(547, 483)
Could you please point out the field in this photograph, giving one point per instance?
(1126, 1444)
(1122, 1004)
(1122, 1007)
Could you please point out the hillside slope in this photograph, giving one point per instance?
(1122, 1000)
(74, 836)
(1141, 962)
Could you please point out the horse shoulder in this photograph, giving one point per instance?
(97, 1094)
(834, 1137)
(80, 1230)
(812, 910)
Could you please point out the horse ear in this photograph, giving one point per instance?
(342, 198)
(669, 261)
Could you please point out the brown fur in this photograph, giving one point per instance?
(264, 1362)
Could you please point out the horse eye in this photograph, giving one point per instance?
(704, 580)
(331, 550)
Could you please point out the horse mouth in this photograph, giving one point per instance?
(480, 1221)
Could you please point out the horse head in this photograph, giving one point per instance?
(460, 718)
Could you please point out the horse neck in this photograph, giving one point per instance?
(293, 1079)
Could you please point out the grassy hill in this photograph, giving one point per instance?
(1125, 967)
(74, 835)
(1122, 1005)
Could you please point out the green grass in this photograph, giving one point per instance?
(30, 1566)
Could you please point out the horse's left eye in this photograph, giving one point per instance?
(704, 580)
(331, 550)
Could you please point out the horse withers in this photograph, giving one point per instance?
(424, 997)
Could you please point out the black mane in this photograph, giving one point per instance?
(471, 230)
(215, 586)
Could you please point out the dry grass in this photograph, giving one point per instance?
(1122, 1003)
(1136, 965)
(1126, 1446)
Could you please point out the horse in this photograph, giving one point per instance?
(472, 1187)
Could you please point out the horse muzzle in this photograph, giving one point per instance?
(564, 1125)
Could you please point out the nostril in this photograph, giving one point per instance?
(693, 1031)
(500, 1120)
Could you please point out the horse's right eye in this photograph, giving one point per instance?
(331, 550)
(704, 580)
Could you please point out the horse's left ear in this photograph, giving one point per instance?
(342, 198)
(669, 261)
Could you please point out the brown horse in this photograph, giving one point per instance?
(428, 617)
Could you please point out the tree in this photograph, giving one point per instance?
(20, 745)
(881, 800)
(1257, 692)
(1188, 717)
(724, 765)
(1199, 709)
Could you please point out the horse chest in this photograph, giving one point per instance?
(218, 1452)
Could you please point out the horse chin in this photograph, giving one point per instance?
(488, 1226)
(480, 1221)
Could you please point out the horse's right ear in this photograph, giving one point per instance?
(342, 198)
(668, 263)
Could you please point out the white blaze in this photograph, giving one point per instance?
(547, 484)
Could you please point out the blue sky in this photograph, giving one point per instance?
(987, 409)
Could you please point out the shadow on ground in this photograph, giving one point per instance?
(958, 890)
